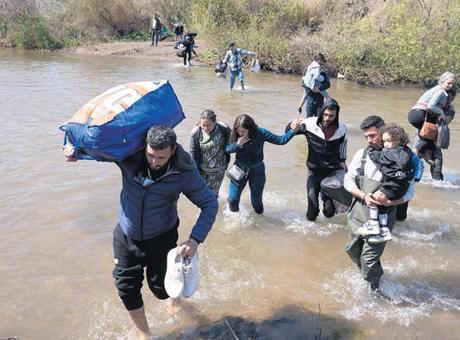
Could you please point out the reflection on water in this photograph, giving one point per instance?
(262, 276)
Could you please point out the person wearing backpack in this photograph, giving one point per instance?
(315, 82)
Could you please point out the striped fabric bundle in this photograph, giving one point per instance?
(113, 125)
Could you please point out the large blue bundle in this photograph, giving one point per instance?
(113, 125)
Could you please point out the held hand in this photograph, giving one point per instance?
(68, 151)
(295, 125)
(188, 248)
(441, 118)
(381, 199)
(370, 201)
(242, 140)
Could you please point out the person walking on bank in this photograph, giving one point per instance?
(233, 60)
(207, 147)
(362, 179)
(178, 30)
(247, 141)
(156, 29)
(315, 82)
(153, 179)
(327, 152)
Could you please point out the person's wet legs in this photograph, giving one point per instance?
(436, 167)
(234, 194)
(232, 79)
(401, 211)
(241, 78)
(371, 268)
(257, 180)
(313, 189)
(367, 259)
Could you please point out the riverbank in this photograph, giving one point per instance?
(371, 42)
(137, 49)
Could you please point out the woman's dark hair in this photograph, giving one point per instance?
(397, 133)
(244, 121)
(208, 114)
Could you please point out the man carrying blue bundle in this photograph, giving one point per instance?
(152, 181)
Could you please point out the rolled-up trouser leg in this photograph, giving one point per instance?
(128, 274)
(129, 282)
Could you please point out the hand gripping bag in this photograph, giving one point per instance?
(113, 125)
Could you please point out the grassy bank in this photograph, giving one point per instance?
(373, 41)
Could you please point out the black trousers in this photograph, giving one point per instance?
(187, 55)
(132, 256)
(313, 191)
(417, 118)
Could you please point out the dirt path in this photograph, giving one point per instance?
(133, 49)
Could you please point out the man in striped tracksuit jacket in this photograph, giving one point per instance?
(327, 152)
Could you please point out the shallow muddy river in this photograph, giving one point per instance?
(276, 273)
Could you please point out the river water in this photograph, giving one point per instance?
(276, 274)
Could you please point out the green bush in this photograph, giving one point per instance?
(32, 34)
(406, 41)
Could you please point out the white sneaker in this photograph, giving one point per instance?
(384, 236)
(371, 227)
(174, 279)
(191, 275)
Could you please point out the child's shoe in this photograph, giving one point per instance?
(371, 227)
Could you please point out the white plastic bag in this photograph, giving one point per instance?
(255, 67)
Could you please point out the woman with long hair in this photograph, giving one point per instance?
(207, 147)
(247, 141)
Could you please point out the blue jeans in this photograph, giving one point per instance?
(313, 104)
(256, 179)
(236, 73)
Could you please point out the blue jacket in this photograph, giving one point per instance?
(252, 153)
(149, 208)
(419, 167)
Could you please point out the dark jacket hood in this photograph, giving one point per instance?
(182, 159)
(331, 103)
